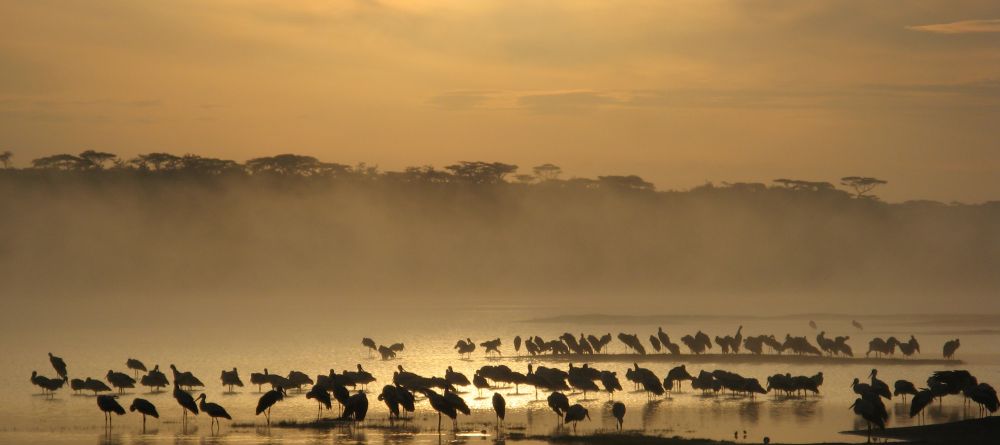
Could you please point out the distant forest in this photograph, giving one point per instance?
(97, 224)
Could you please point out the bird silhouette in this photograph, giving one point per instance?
(370, 344)
(267, 401)
(120, 380)
(517, 344)
(322, 397)
(185, 378)
(610, 382)
(135, 365)
(559, 403)
(215, 411)
(950, 347)
(904, 387)
(146, 408)
(878, 386)
(95, 385)
(260, 379)
(231, 379)
(456, 378)
(186, 402)
(868, 411)
(985, 396)
(653, 340)
(59, 365)
(109, 405)
(391, 398)
(858, 325)
(499, 407)
(48, 386)
(441, 405)
(356, 407)
(618, 410)
(575, 414)
(480, 383)
(155, 379)
(920, 401)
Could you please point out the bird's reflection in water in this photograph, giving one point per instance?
(750, 412)
(941, 414)
(649, 411)
(110, 438)
(807, 411)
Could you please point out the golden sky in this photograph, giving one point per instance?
(679, 92)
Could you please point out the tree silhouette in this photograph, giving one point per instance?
(5, 158)
(96, 159)
(158, 161)
(547, 172)
(630, 182)
(481, 172)
(797, 184)
(59, 162)
(861, 184)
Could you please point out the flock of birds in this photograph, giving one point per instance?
(441, 392)
(698, 343)
(871, 408)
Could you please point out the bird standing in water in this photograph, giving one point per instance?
(500, 407)
(146, 408)
(618, 410)
(109, 405)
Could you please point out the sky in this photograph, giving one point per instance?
(678, 92)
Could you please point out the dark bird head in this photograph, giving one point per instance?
(874, 373)
(50, 355)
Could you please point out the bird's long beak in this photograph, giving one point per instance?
(871, 374)
(588, 416)
(852, 405)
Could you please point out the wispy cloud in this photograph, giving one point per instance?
(960, 27)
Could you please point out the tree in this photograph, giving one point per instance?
(800, 185)
(158, 161)
(630, 182)
(861, 184)
(525, 179)
(59, 162)
(96, 159)
(197, 164)
(547, 172)
(481, 172)
(5, 158)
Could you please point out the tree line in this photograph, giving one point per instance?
(470, 172)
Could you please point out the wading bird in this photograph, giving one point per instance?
(109, 405)
(868, 411)
(231, 379)
(185, 401)
(499, 407)
(904, 387)
(575, 414)
(440, 405)
(618, 410)
(559, 403)
(322, 397)
(214, 410)
(268, 400)
(59, 365)
(120, 380)
(146, 408)
(356, 407)
(155, 379)
(920, 401)
(950, 347)
(135, 365)
(370, 344)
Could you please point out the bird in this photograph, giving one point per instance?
(812, 324)
(231, 379)
(985, 396)
(575, 414)
(391, 398)
(370, 344)
(215, 411)
(268, 400)
(155, 379)
(858, 325)
(441, 405)
(260, 378)
(920, 401)
(880, 387)
(517, 344)
(49, 386)
(356, 407)
(120, 380)
(185, 401)
(109, 405)
(618, 410)
(146, 408)
(500, 407)
(950, 347)
(868, 411)
(610, 382)
(322, 398)
(559, 403)
(904, 387)
(185, 378)
(59, 365)
(135, 365)
(480, 382)
(456, 378)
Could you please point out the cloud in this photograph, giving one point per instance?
(564, 101)
(960, 27)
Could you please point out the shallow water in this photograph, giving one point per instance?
(313, 341)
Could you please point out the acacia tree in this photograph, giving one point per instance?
(158, 161)
(96, 159)
(481, 172)
(59, 162)
(631, 182)
(861, 184)
(5, 158)
(798, 184)
(547, 172)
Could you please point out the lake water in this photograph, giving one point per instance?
(313, 340)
